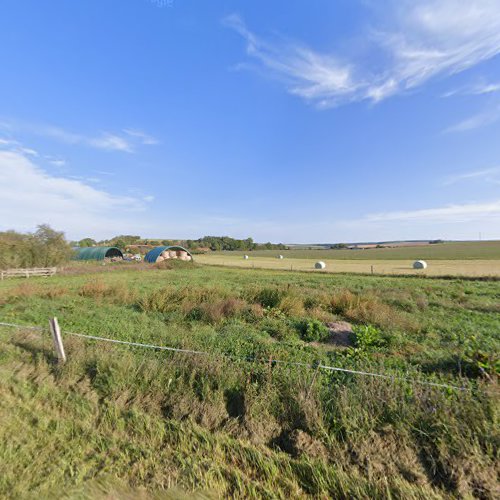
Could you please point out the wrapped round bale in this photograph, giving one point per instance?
(280, 256)
(245, 257)
(320, 265)
(420, 264)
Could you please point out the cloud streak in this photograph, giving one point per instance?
(490, 175)
(476, 121)
(125, 142)
(449, 214)
(420, 41)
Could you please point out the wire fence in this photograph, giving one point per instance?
(270, 361)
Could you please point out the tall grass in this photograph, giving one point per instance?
(202, 423)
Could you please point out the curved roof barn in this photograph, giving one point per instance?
(96, 253)
(152, 255)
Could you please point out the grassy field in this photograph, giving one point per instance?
(123, 421)
(474, 250)
(471, 268)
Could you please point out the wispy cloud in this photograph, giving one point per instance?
(449, 214)
(14, 145)
(56, 161)
(476, 89)
(419, 41)
(309, 74)
(479, 120)
(126, 142)
(489, 175)
(144, 138)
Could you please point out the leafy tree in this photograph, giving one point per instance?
(87, 242)
(45, 247)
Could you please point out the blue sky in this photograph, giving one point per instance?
(293, 121)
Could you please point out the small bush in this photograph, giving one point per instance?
(368, 337)
(278, 329)
(312, 330)
(269, 297)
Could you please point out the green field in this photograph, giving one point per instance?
(482, 250)
(119, 420)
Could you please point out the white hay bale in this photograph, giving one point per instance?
(280, 256)
(320, 265)
(172, 254)
(420, 264)
(245, 257)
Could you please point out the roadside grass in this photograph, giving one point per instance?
(230, 423)
(206, 424)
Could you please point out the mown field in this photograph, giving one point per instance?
(473, 250)
(456, 268)
(117, 420)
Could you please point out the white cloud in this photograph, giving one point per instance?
(489, 175)
(30, 196)
(449, 214)
(14, 145)
(105, 140)
(476, 121)
(476, 89)
(126, 142)
(110, 142)
(144, 138)
(419, 41)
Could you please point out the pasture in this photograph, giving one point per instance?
(468, 250)
(253, 416)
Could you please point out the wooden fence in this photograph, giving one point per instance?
(27, 273)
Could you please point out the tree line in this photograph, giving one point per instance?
(213, 243)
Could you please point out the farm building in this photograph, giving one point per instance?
(159, 254)
(97, 253)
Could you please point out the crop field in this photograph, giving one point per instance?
(474, 250)
(254, 412)
(291, 262)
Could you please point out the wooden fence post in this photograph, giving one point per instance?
(57, 338)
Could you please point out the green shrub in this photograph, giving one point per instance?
(312, 330)
(269, 297)
(368, 337)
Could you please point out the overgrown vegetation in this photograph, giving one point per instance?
(43, 248)
(233, 422)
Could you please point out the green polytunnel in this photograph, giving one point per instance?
(96, 253)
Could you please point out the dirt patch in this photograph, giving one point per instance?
(341, 333)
